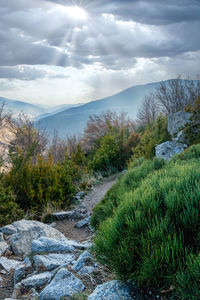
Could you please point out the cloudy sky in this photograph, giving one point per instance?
(70, 51)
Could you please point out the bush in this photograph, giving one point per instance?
(36, 185)
(139, 169)
(9, 209)
(155, 230)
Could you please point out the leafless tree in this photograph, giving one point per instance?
(173, 95)
(99, 125)
(148, 111)
(58, 148)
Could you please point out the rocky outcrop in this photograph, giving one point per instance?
(113, 290)
(176, 121)
(167, 149)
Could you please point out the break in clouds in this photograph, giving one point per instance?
(110, 45)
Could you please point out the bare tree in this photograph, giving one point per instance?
(58, 148)
(148, 111)
(173, 95)
(99, 125)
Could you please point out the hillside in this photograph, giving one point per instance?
(73, 120)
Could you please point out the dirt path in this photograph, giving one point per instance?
(90, 200)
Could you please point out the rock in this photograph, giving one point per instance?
(83, 223)
(9, 264)
(3, 247)
(52, 261)
(86, 270)
(180, 137)
(8, 230)
(167, 149)
(22, 270)
(112, 290)
(63, 284)
(177, 121)
(81, 261)
(34, 293)
(1, 237)
(37, 281)
(77, 245)
(52, 224)
(67, 215)
(1, 279)
(3, 272)
(50, 245)
(79, 195)
(28, 231)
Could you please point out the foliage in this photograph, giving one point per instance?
(152, 237)
(192, 130)
(9, 209)
(138, 170)
(36, 185)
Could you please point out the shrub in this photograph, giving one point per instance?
(139, 169)
(36, 185)
(9, 209)
(155, 230)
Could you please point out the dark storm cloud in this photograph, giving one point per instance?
(116, 34)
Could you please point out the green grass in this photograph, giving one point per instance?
(153, 233)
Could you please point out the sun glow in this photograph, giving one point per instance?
(76, 12)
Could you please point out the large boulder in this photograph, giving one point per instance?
(64, 284)
(176, 121)
(168, 149)
(113, 290)
(27, 231)
(82, 260)
(50, 245)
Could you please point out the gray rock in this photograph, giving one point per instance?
(1, 279)
(63, 284)
(77, 245)
(79, 195)
(3, 272)
(52, 224)
(50, 245)
(167, 149)
(67, 215)
(8, 230)
(1, 237)
(180, 137)
(112, 290)
(34, 293)
(177, 120)
(9, 264)
(28, 231)
(3, 247)
(83, 223)
(52, 261)
(81, 261)
(86, 270)
(37, 281)
(22, 270)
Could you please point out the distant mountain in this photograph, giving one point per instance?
(16, 107)
(73, 120)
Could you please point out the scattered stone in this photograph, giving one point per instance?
(86, 270)
(37, 281)
(22, 270)
(112, 290)
(52, 224)
(50, 245)
(64, 284)
(177, 121)
(3, 247)
(79, 195)
(28, 231)
(77, 245)
(67, 215)
(8, 230)
(3, 272)
(52, 261)
(1, 237)
(167, 149)
(181, 138)
(81, 261)
(1, 279)
(9, 264)
(34, 293)
(83, 223)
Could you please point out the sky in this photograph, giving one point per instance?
(54, 52)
